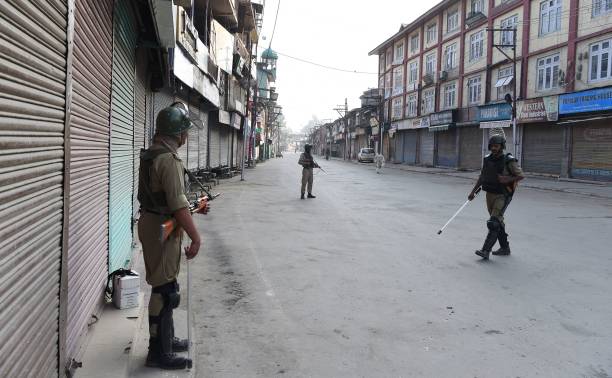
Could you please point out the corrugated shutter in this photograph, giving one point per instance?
(542, 149)
(235, 148)
(426, 147)
(122, 137)
(399, 146)
(214, 145)
(32, 117)
(193, 143)
(161, 99)
(89, 168)
(592, 151)
(204, 140)
(140, 120)
(150, 119)
(410, 147)
(447, 148)
(224, 141)
(470, 147)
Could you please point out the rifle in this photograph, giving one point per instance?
(199, 206)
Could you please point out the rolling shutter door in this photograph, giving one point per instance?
(399, 146)
(235, 150)
(32, 122)
(426, 147)
(214, 145)
(410, 147)
(447, 148)
(161, 99)
(193, 143)
(542, 149)
(224, 145)
(89, 169)
(470, 148)
(122, 137)
(204, 140)
(592, 151)
(140, 121)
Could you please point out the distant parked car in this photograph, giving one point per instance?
(366, 155)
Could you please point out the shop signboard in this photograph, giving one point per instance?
(541, 109)
(594, 100)
(494, 112)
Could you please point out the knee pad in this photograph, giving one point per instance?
(493, 224)
(172, 300)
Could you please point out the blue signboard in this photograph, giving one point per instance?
(494, 112)
(588, 101)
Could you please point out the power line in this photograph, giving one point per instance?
(275, 19)
(325, 66)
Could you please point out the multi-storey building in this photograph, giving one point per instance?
(445, 78)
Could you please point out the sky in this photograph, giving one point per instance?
(336, 33)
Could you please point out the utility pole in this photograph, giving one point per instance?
(511, 100)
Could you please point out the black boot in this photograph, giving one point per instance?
(180, 345)
(311, 196)
(504, 249)
(489, 242)
(302, 196)
(167, 361)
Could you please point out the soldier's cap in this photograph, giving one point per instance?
(175, 119)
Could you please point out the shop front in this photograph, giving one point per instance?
(443, 125)
(425, 141)
(588, 116)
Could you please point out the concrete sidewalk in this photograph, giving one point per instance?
(119, 341)
(584, 188)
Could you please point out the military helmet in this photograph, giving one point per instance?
(307, 147)
(173, 120)
(497, 139)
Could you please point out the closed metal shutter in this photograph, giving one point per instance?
(89, 169)
(426, 147)
(122, 137)
(542, 149)
(204, 140)
(410, 147)
(214, 144)
(150, 119)
(235, 150)
(193, 143)
(592, 151)
(140, 101)
(447, 148)
(399, 146)
(32, 121)
(224, 145)
(470, 147)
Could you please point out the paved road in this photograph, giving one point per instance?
(356, 283)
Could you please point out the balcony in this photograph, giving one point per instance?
(248, 19)
(474, 18)
(225, 11)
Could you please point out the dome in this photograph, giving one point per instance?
(269, 54)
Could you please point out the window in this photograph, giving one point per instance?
(396, 108)
(599, 65)
(550, 16)
(381, 85)
(601, 7)
(451, 57)
(504, 85)
(414, 43)
(430, 64)
(389, 57)
(429, 101)
(476, 45)
(386, 111)
(507, 36)
(432, 33)
(450, 96)
(388, 85)
(381, 64)
(474, 90)
(452, 20)
(398, 80)
(399, 53)
(548, 73)
(477, 6)
(414, 72)
(411, 105)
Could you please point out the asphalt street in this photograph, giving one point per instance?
(356, 283)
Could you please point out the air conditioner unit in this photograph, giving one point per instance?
(428, 79)
(443, 75)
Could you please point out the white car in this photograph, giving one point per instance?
(366, 154)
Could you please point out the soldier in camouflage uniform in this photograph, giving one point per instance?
(162, 195)
(499, 176)
(308, 164)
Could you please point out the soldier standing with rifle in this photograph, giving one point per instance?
(499, 177)
(162, 196)
(307, 161)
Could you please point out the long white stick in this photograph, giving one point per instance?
(457, 213)
(188, 311)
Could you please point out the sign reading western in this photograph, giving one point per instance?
(494, 112)
(543, 109)
(588, 101)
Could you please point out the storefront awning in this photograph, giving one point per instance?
(566, 121)
(504, 81)
(495, 124)
(439, 128)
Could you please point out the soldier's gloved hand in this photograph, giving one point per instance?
(471, 196)
(205, 207)
(192, 250)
